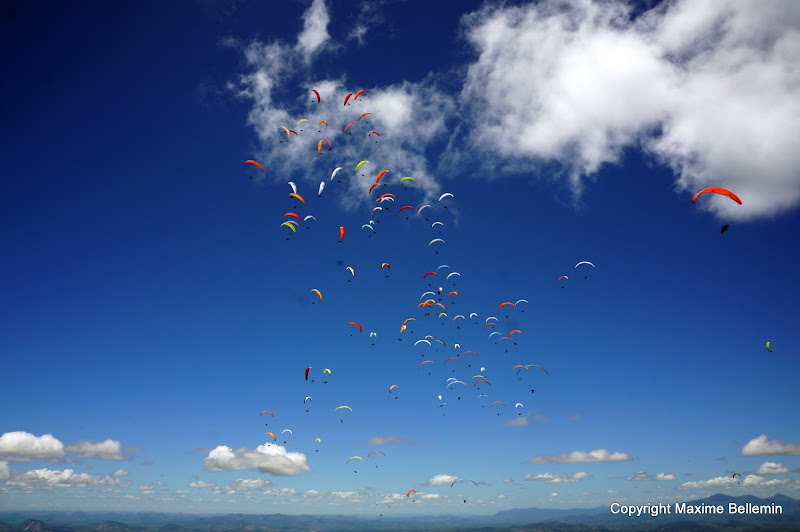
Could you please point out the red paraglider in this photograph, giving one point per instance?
(718, 190)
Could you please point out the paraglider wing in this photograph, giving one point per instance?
(718, 190)
(316, 94)
(341, 233)
(307, 370)
(258, 164)
(297, 196)
(319, 294)
(585, 262)
(334, 172)
(347, 98)
(356, 324)
(266, 412)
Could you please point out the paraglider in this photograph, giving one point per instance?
(316, 94)
(356, 324)
(346, 98)
(341, 234)
(717, 190)
(258, 164)
(297, 196)
(768, 347)
(724, 228)
(266, 412)
(307, 370)
(319, 294)
(334, 172)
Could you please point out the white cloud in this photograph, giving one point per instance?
(143, 488)
(554, 494)
(441, 480)
(22, 446)
(518, 421)
(560, 477)
(642, 475)
(267, 458)
(599, 455)
(106, 450)
(763, 446)
(708, 87)
(49, 478)
(120, 473)
(244, 484)
(430, 496)
(280, 492)
(717, 482)
(508, 480)
(352, 495)
(501, 496)
(202, 484)
(315, 30)
(771, 468)
(755, 481)
(5, 471)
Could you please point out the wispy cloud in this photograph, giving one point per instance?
(771, 468)
(386, 440)
(106, 450)
(560, 477)
(315, 30)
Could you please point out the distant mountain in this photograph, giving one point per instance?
(172, 527)
(34, 525)
(569, 520)
(112, 526)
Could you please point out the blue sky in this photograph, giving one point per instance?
(153, 304)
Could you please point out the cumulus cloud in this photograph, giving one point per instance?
(280, 492)
(273, 459)
(106, 450)
(430, 496)
(717, 482)
(642, 475)
(22, 446)
(315, 30)
(386, 440)
(708, 88)
(750, 481)
(560, 477)
(771, 468)
(245, 484)
(201, 484)
(49, 478)
(441, 480)
(600, 455)
(120, 473)
(764, 446)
